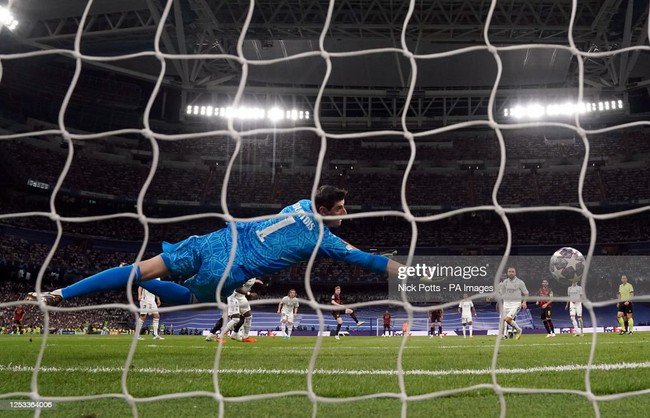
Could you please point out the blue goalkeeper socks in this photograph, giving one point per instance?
(111, 279)
(169, 292)
(117, 278)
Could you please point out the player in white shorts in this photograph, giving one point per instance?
(287, 309)
(513, 291)
(148, 306)
(466, 308)
(574, 305)
(239, 311)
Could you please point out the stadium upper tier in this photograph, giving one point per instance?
(276, 171)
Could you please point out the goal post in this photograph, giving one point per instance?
(418, 326)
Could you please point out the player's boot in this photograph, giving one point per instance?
(48, 298)
(141, 338)
(211, 337)
(336, 337)
(518, 335)
(249, 340)
(236, 337)
(158, 337)
(221, 340)
(360, 323)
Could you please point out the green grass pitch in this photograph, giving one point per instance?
(449, 377)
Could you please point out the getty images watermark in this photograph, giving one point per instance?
(439, 279)
(435, 282)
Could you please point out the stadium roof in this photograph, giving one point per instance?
(281, 29)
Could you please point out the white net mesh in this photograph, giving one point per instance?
(411, 63)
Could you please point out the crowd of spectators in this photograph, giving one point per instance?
(106, 176)
(258, 176)
(84, 320)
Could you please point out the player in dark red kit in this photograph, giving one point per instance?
(387, 319)
(436, 319)
(546, 294)
(336, 300)
(17, 325)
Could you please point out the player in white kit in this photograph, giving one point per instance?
(149, 306)
(513, 291)
(574, 305)
(466, 309)
(239, 311)
(288, 309)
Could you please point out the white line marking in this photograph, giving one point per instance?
(569, 367)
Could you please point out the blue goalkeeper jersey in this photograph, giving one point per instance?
(274, 244)
(263, 247)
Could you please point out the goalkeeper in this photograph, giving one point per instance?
(262, 247)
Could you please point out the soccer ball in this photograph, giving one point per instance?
(567, 265)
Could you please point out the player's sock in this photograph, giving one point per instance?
(239, 324)
(231, 324)
(110, 279)
(353, 315)
(247, 326)
(282, 332)
(440, 330)
(548, 328)
(575, 324)
(621, 323)
(289, 330)
(217, 327)
(169, 292)
(550, 325)
(463, 330)
(630, 324)
(627, 325)
(156, 323)
(471, 329)
(139, 324)
(516, 326)
(338, 329)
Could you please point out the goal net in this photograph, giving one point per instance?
(491, 133)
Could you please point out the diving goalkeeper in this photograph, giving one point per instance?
(262, 247)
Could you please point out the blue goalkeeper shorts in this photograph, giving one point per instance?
(204, 260)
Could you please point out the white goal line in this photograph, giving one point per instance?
(331, 372)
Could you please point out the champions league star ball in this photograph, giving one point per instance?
(567, 265)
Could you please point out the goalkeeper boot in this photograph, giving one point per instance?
(48, 298)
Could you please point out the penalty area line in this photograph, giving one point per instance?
(261, 371)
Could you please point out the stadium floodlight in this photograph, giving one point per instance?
(565, 109)
(274, 114)
(7, 19)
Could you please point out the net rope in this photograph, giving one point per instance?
(405, 213)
